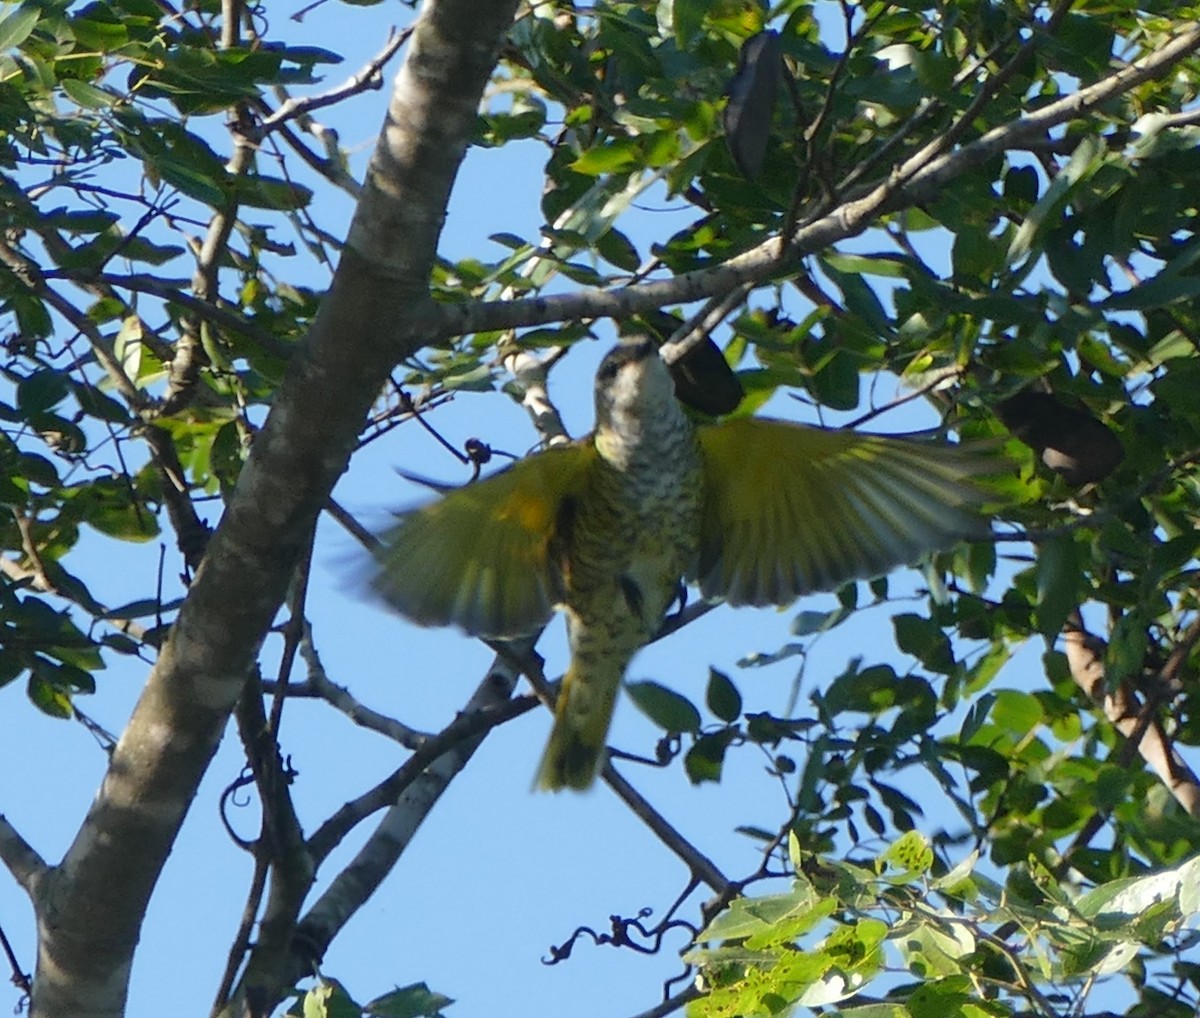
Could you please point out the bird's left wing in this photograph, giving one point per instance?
(484, 556)
(790, 509)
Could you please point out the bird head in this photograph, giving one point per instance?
(632, 383)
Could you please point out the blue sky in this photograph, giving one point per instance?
(497, 874)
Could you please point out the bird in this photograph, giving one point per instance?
(753, 511)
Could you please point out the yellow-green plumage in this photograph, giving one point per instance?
(754, 511)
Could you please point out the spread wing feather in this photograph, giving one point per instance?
(790, 509)
(484, 556)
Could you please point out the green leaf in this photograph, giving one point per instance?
(101, 31)
(806, 623)
(704, 760)
(923, 639)
(911, 855)
(41, 390)
(869, 691)
(722, 696)
(1084, 161)
(108, 506)
(17, 26)
(272, 193)
(87, 95)
(190, 181)
(49, 699)
(1017, 712)
(416, 1000)
(752, 94)
(976, 716)
(685, 18)
(748, 916)
(932, 952)
(624, 154)
(1021, 184)
(669, 710)
(96, 404)
(1160, 291)
(941, 998)
(1059, 583)
(616, 248)
(1127, 648)
(143, 609)
(12, 664)
(835, 383)
(328, 999)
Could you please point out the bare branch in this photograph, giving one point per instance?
(319, 684)
(19, 977)
(1123, 708)
(443, 759)
(20, 858)
(369, 78)
(470, 725)
(531, 374)
(702, 867)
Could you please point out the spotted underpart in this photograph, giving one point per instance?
(632, 534)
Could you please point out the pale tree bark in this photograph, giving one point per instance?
(90, 906)
(1136, 720)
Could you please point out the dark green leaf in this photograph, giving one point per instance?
(923, 639)
(1021, 184)
(669, 710)
(704, 760)
(869, 691)
(192, 182)
(1059, 583)
(87, 95)
(272, 193)
(722, 696)
(752, 91)
(41, 390)
(413, 1001)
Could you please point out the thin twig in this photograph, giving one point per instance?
(697, 862)
(19, 978)
(464, 727)
(320, 685)
(369, 78)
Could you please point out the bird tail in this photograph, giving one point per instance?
(582, 715)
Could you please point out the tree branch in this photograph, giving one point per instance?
(369, 78)
(320, 685)
(443, 760)
(917, 179)
(1123, 708)
(470, 725)
(20, 858)
(701, 867)
(366, 321)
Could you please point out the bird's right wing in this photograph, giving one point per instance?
(484, 556)
(790, 509)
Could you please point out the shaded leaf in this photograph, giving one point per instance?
(669, 710)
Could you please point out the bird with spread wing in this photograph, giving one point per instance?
(753, 511)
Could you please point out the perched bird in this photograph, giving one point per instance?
(754, 511)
